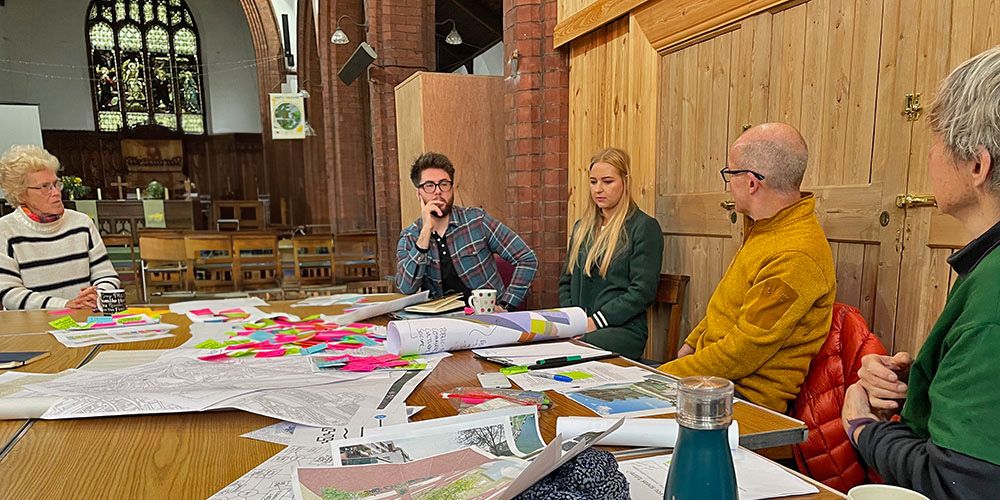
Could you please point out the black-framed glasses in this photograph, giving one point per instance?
(430, 186)
(728, 174)
(49, 186)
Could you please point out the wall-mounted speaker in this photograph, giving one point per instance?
(359, 61)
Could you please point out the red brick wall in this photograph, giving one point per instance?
(402, 33)
(537, 103)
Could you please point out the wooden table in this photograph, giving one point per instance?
(193, 455)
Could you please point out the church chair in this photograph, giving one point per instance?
(257, 264)
(370, 287)
(355, 256)
(312, 259)
(210, 262)
(163, 262)
(663, 340)
(122, 253)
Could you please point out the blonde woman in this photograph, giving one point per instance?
(51, 257)
(613, 264)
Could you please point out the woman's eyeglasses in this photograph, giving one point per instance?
(48, 187)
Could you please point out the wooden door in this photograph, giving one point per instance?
(946, 34)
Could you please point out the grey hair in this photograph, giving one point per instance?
(782, 163)
(966, 111)
(17, 163)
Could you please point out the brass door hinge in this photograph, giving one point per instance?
(911, 109)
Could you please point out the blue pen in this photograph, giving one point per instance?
(557, 378)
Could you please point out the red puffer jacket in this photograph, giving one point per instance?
(827, 455)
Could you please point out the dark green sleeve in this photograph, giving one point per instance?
(645, 257)
(566, 279)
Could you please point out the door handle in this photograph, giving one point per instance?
(728, 205)
(915, 201)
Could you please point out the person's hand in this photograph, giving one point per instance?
(499, 308)
(431, 211)
(684, 351)
(855, 406)
(884, 379)
(591, 326)
(87, 299)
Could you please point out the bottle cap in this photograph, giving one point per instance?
(704, 403)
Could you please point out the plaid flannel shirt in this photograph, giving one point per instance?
(473, 236)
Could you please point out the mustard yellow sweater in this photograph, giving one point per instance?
(771, 312)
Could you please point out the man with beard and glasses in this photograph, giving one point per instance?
(451, 249)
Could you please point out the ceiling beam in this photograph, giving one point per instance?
(479, 13)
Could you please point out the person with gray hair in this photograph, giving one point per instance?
(52, 257)
(771, 312)
(944, 445)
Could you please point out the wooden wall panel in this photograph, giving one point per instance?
(461, 116)
(614, 87)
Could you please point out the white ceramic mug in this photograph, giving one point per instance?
(882, 492)
(110, 301)
(483, 300)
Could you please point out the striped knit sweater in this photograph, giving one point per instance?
(46, 265)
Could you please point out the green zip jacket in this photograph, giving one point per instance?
(617, 302)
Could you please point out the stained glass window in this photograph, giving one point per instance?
(145, 65)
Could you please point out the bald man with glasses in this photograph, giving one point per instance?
(771, 312)
(451, 249)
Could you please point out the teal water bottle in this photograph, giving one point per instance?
(702, 464)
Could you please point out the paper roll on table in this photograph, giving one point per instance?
(658, 432)
(425, 336)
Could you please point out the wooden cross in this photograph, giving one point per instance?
(121, 187)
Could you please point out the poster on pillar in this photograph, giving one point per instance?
(288, 116)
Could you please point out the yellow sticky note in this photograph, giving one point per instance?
(577, 375)
(139, 310)
(63, 323)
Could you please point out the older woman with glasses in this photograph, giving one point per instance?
(54, 257)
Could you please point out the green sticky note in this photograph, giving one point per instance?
(210, 344)
(411, 366)
(240, 353)
(292, 350)
(238, 341)
(312, 317)
(64, 323)
(577, 375)
(409, 357)
(130, 319)
(514, 370)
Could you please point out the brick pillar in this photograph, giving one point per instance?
(537, 102)
(346, 137)
(402, 33)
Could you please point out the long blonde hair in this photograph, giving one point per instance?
(604, 243)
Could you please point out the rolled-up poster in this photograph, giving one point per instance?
(425, 336)
(658, 432)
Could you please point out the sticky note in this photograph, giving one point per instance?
(215, 357)
(237, 354)
(100, 319)
(130, 319)
(314, 349)
(513, 370)
(202, 312)
(60, 311)
(276, 353)
(238, 341)
(293, 350)
(577, 375)
(63, 323)
(410, 367)
(210, 344)
(158, 313)
(138, 310)
(259, 335)
(312, 317)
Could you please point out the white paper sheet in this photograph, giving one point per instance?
(600, 374)
(532, 353)
(420, 336)
(658, 432)
(117, 335)
(272, 480)
(491, 431)
(279, 433)
(656, 395)
(756, 477)
(377, 309)
(191, 305)
(394, 414)
(339, 299)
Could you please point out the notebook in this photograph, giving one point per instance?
(19, 359)
(438, 306)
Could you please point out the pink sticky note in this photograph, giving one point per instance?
(358, 367)
(252, 345)
(103, 325)
(360, 325)
(284, 339)
(277, 353)
(214, 357)
(234, 310)
(398, 362)
(61, 311)
(202, 312)
(345, 346)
